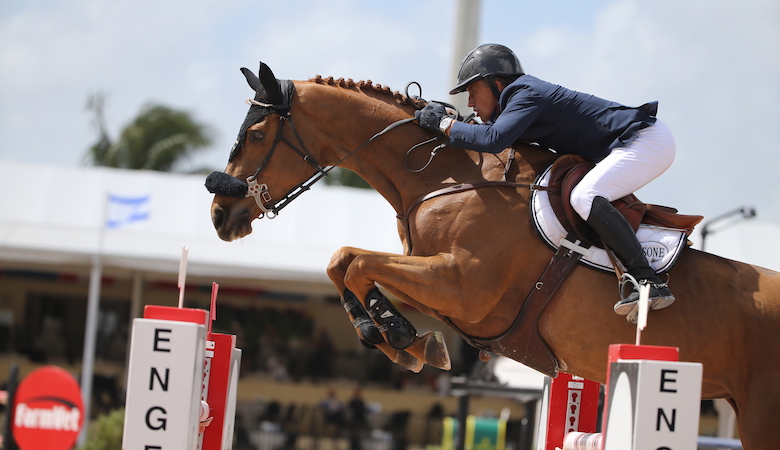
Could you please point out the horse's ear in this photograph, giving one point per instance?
(253, 81)
(270, 84)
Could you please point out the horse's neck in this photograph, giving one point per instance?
(346, 118)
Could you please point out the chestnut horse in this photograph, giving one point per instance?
(473, 256)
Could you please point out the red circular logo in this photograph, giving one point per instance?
(48, 410)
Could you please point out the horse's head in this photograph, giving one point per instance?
(268, 164)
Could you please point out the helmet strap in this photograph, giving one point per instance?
(496, 92)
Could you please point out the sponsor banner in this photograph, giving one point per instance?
(48, 410)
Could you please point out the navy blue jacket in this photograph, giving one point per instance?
(557, 118)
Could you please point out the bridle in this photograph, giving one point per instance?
(259, 191)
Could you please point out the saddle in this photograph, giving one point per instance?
(568, 170)
(522, 341)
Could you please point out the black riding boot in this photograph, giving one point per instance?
(618, 235)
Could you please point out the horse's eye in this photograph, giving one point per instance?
(257, 135)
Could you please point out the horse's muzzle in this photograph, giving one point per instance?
(227, 185)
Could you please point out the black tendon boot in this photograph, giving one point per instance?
(369, 333)
(399, 332)
(618, 235)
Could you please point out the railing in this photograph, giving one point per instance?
(713, 443)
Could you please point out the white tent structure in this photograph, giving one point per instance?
(57, 215)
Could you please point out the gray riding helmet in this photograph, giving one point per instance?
(485, 61)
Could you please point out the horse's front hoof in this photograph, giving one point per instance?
(436, 353)
(408, 361)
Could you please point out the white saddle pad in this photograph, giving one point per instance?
(661, 245)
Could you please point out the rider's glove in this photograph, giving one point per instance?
(430, 117)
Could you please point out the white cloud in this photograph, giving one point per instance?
(52, 59)
(715, 69)
(186, 54)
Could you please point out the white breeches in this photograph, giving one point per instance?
(626, 169)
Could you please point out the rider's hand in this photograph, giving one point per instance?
(430, 116)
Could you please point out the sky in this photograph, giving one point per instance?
(713, 65)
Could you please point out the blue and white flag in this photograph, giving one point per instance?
(122, 211)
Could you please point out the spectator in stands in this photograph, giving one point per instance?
(358, 419)
(333, 410)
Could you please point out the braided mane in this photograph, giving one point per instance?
(351, 84)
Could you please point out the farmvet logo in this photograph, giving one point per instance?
(48, 410)
(64, 416)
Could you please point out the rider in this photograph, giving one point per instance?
(629, 144)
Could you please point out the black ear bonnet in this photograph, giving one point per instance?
(272, 96)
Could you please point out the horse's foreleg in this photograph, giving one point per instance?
(366, 329)
(428, 348)
(400, 333)
(348, 268)
(370, 335)
(439, 285)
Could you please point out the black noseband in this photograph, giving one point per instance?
(226, 185)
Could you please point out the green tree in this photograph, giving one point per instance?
(105, 433)
(345, 177)
(158, 138)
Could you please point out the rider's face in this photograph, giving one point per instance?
(481, 99)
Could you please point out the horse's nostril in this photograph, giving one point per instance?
(218, 217)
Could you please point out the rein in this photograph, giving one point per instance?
(435, 151)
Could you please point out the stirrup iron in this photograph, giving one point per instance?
(626, 306)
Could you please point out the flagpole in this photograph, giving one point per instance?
(90, 332)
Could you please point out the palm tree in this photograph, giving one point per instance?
(158, 138)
